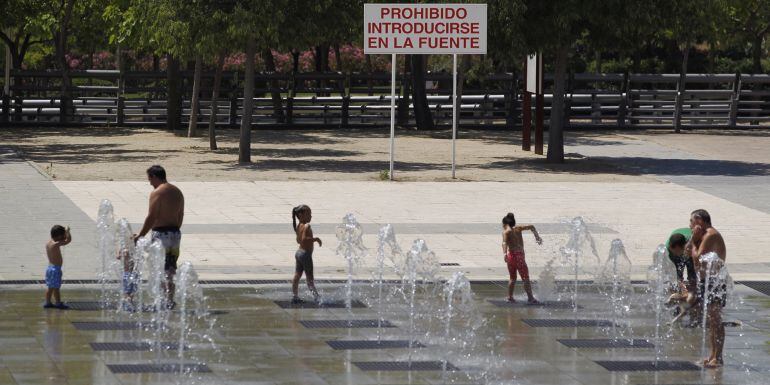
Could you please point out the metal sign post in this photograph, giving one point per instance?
(392, 111)
(454, 110)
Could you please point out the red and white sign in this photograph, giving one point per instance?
(425, 28)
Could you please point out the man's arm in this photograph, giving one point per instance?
(151, 214)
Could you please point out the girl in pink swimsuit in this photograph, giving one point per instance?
(513, 249)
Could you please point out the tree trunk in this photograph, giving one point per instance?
(422, 114)
(215, 98)
(66, 86)
(680, 88)
(173, 99)
(598, 61)
(556, 128)
(685, 59)
(322, 58)
(756, 55)
(244, 146)
(322, 65)
(637, 61)
(192, 126)
(267, 57)
(337, 57)
(294, 62)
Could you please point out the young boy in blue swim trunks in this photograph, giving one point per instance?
(60, 236)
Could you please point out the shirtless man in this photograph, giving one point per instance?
(513, 250)
(706, 239)
(164, 219)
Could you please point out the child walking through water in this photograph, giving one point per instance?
(304, 255)
(513, 249)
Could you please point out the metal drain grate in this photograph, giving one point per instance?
(158, 368)
(109, 325)
(316, 305)
(404, 365)
(523, 304)
(760, 286)
(566, 323)
(648, 366)
(90, 305)
(131, 346)
(607, 343)
(344, 324)
(370, 344)
(449, 264)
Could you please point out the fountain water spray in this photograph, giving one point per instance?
(659, 279)
(420, 261)
(458, 285)
(132, 263)
(546, 282)
(387, 248)
(573, 252)
(190, 293)
(614, 281)
(105, 229)
(351, 246)
(155, 255)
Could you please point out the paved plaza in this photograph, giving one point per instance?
(240, 230)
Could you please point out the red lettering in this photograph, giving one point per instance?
(474, 28)
(384, 12)
(462, 13)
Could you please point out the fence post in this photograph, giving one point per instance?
(17, 111)
(6, 109)
(680, 84)
(289, 109)
(734, 99)
(233, 111)
(512, 103)
(623, 106)
(121, 110)
(345, 113)
(63, 102)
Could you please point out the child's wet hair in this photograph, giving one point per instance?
(509, 220)
(295, 213)
(58, 231)
(677, 240)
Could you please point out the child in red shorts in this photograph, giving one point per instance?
(513, 249)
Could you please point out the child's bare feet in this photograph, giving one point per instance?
(533, 301)
(511, 300)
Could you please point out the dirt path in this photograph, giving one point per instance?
(123, 154)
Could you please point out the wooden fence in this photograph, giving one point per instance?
(332, 100)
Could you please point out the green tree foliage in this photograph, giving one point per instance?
(747, 22)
